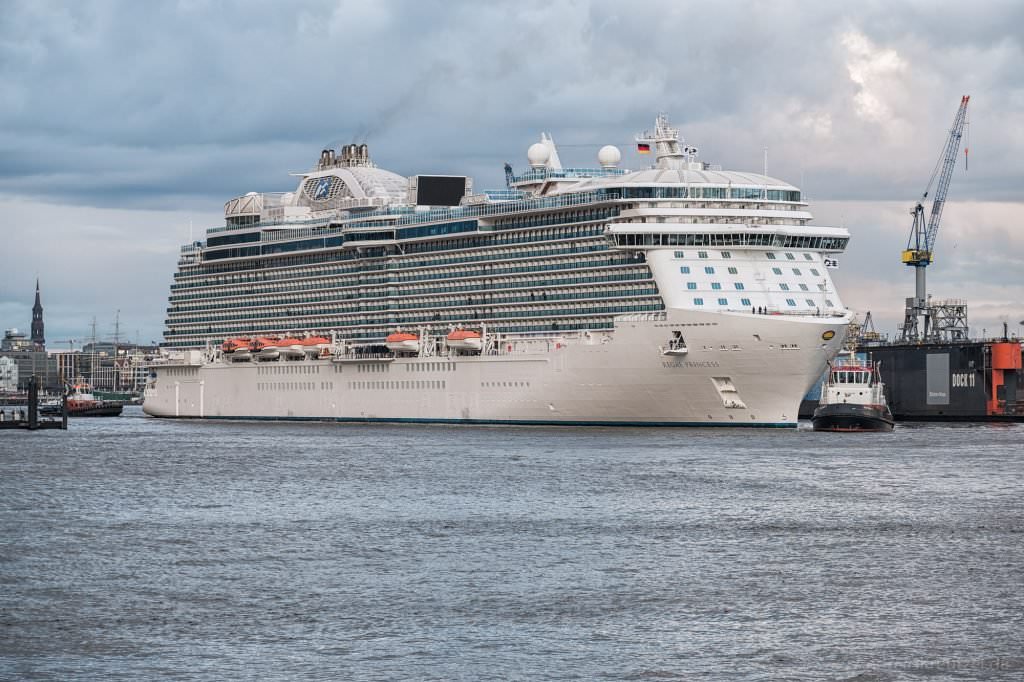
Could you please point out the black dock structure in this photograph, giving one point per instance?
(952, 381)
(27, 417)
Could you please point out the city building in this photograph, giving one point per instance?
(8, 374)
(29, 353)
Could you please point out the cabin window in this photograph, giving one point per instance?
(733, 271)
(698, 301)
(709, 270)
(790, 256)
(771, 256)
(680, 254)
(702, 254)
(691, 285)
(790, 302)
(685, 269)
(738, 285)
(723, 301)
(796, 271)
(784, 286)
(744, 301)
(777, 271)
(716, 285)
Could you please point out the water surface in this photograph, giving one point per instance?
(136, 548)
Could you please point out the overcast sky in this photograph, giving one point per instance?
(122, 123)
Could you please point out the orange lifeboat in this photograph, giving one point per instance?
(265, 347)
(465, 339)
(402, 342)
(236, 349)
(231, 345)
(315, 345)
(290, 348)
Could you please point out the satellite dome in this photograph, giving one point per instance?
(251, 194)
(538, 154)
(609, 156)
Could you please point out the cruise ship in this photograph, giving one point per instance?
(679, 294)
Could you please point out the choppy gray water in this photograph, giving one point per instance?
(136, 548)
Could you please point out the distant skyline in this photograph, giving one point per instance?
(123, 123)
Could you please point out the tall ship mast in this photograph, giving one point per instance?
(677, 294)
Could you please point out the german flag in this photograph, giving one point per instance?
(643, 148)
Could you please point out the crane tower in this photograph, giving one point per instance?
(924, 319)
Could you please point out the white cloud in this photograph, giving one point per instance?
(879, 75)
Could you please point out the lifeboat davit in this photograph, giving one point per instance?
(402, 342)
(265, 348)
(315, 345)
(465, 339)
(290, 348)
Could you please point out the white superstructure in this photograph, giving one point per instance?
(677, 294)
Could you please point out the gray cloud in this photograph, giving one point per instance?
(158, 109)
(156, 90)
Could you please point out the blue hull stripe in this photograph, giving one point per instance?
(491, 422)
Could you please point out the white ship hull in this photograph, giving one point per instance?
(739, 370)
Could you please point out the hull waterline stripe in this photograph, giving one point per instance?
(490, 422)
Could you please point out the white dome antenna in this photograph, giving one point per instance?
(538, 154)
(609, 156)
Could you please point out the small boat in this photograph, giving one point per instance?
(82, 403)
(314, 346)
(402, 342)
(291, 348)
(232, 345)
(264, 348)
(465, 339)
(236, 349)
(853, 399)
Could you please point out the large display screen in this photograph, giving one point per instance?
(440, 190)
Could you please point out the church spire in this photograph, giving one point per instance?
(38, 338)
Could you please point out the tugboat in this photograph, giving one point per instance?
(82, 403)
(853, 399)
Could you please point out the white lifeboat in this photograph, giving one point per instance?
(465, 339)
(264, 348)
(315, 346)
(236, 350)
(403, 342)
(291, 348)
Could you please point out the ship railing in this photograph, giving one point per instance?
(362, 357)
(308, 222)
(540, 174)
(322, 230)
(408, 216)
(818, 312)
(641, 317)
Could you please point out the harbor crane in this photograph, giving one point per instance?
(924, 320)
